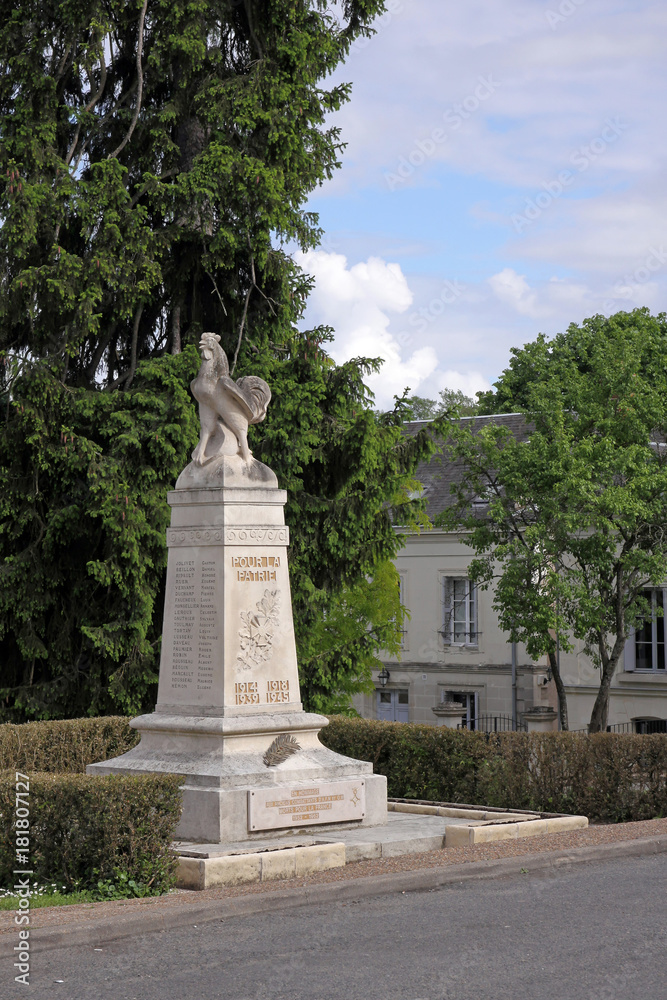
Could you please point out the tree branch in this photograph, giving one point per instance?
(101, 121)
(142, 190)
(133, 353)
(140, 84)
(217, 291)
(89, 107)
(129, 374)
(251, 28)
(99, 351)
(63, 62)
(243, 317)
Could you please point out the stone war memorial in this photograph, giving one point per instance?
(228, 715)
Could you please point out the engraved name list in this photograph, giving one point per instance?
(195, 625)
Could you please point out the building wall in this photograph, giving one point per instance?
(428, 667)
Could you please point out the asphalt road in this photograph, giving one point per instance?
(591, 932)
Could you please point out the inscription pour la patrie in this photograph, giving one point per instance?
(255, 569)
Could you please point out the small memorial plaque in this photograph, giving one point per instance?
(287, 806)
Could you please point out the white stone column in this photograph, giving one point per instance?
(542, 719)
(449, 714)
(228, 646)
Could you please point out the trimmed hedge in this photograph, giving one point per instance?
(82, 827)
(64, 746)
(609, 777)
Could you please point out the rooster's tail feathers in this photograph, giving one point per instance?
(257, 394)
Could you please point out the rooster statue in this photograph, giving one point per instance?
(225, 405)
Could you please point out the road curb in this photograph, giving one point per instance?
(105, 931)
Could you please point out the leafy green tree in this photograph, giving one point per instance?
(83, 515)
(149, 153)
(155, 162)
(448, 401)
(573, 530)
(422, 408)
(346, 636)
(456, 399)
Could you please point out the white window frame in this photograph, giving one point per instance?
(630, 652)
(471, 625)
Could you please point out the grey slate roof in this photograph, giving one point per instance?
(438, 474)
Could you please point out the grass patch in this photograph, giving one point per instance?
(56, 894)
(50, 899)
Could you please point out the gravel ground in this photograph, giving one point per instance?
(591, 837)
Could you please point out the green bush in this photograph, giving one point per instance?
(64, 746)
(609, 777)
(419, 762)
(85, 829)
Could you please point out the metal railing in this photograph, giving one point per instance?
(494, 724)
(643, 727)
(649, 726)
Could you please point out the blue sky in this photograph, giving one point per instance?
(504, 176)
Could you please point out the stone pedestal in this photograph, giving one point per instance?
(229, 685)
(542, 719)
(449, 714)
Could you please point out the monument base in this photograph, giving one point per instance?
(231, 794)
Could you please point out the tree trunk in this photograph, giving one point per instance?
(600, 714)
(176, 329)
(560, 688)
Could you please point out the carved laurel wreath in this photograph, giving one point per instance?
(256, 633)
(281, 749)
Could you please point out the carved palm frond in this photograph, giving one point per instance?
(281, 749)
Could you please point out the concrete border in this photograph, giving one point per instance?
(485, 833)
(173, 916)
(462, 812)
(490, 824)
(260, 866)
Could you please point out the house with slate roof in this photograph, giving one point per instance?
(458, 668)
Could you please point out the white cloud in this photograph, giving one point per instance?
(514, 290)
(549, 299)
(556, 87)
(468, 382)
(605, 235)
(359, 303)
(597, 245)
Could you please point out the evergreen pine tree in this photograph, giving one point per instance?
(156, 157)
